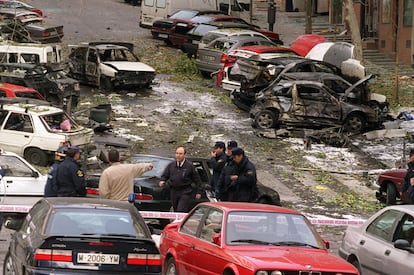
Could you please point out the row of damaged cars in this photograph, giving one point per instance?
(313, 91)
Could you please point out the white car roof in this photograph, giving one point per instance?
(31, 108)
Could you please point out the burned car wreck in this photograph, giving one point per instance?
(313, 104)
(109, 65)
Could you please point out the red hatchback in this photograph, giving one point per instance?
(10, 90)
(246, 238)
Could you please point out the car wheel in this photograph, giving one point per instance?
(391, 194)
(8, 268)
(357, 266)
(355, 123)
(106, 84)
(36, 156)
(171, 268)
(265, 119)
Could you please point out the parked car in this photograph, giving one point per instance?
(383, 244)
(28, 26)
(246, 238)
(179, 37)
(307, 103)
(21, 181)
(162, 28)
(81, 236)
(11, 52)
(19, 5)
(109, 65)
(50, 80)
(390, 183)
(32, 130)
(212, 57)
(149, 196)
(13, 91)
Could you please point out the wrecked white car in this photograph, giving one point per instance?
(109, 66)
(35, 130)
(313, 104)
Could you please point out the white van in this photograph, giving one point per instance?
(152, 10)
(30, 53)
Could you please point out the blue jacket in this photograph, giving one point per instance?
(51, 187)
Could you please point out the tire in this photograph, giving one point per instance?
(36, 156)
(106, 84)
(355, 124)
(357, 266)
(171, 267)
(8, 268)
(391, 194)
(265, 119)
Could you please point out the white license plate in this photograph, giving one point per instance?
(95, 258)
(161, 35)
(208, 58)
(196, 42)
(53, 32)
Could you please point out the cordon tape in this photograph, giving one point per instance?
(178, 215)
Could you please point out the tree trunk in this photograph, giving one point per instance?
(352, 23)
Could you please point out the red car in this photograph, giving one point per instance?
(246, 238)
(179, 37)
(389, 183)
(13, 91)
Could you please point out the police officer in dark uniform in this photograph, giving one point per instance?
(238, 181)
(51, 186)
(217, 161)
(180, 174)
(70, 179)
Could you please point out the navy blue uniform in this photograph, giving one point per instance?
(70, 179)
(244, 189)
(180, 181)
(406, 186)
(51, 186)
(217, 164)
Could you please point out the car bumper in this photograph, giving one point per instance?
(229, 85)
(43, 271)
(343, 254)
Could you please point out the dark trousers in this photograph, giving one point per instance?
(182, 199)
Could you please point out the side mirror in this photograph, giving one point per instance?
(35, 174)
(217, 239)
(403, 245)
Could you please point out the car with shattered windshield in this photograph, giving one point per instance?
(109, 66)
(35, 129)
(50, 80)
(311, 103)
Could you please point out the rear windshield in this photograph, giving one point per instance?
(210, 37)
(59, 122)
(95, 222)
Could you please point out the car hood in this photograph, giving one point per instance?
(129, 66)
(362, 81)
(288, 258)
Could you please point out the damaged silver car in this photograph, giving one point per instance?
(109, 66)
(313, 104)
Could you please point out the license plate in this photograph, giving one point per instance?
(53, 32)
(161, 35)
(95, 258)
(208, 58)
(195, 42)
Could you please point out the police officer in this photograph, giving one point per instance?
(51, 186)
(217, 161)
(70, 178)
(238, 181)
(230, 145)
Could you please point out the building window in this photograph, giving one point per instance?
(386, 11)
(408, 12)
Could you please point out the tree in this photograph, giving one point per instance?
(352, 23)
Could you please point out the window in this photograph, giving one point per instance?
(407, 17)
(149, 3)
(14, 167)
(161, 3)
(405, 229)
(386, 11)
(382, 226)
(3, 93)
(211, 225)
(19, 122)
(192, 223)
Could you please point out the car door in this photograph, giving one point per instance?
(91, 66)
(17, 132)
(375, 245)
(208, 255)
(20, 181)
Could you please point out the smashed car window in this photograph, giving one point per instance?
(14, 167)
(59, 122)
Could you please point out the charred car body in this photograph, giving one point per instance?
(109, 65)
(311, 103)
(49, 80)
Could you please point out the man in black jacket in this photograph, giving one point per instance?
(217, 161)
(180, 174)
(70, 179)
(238, 181)
(408, 184)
